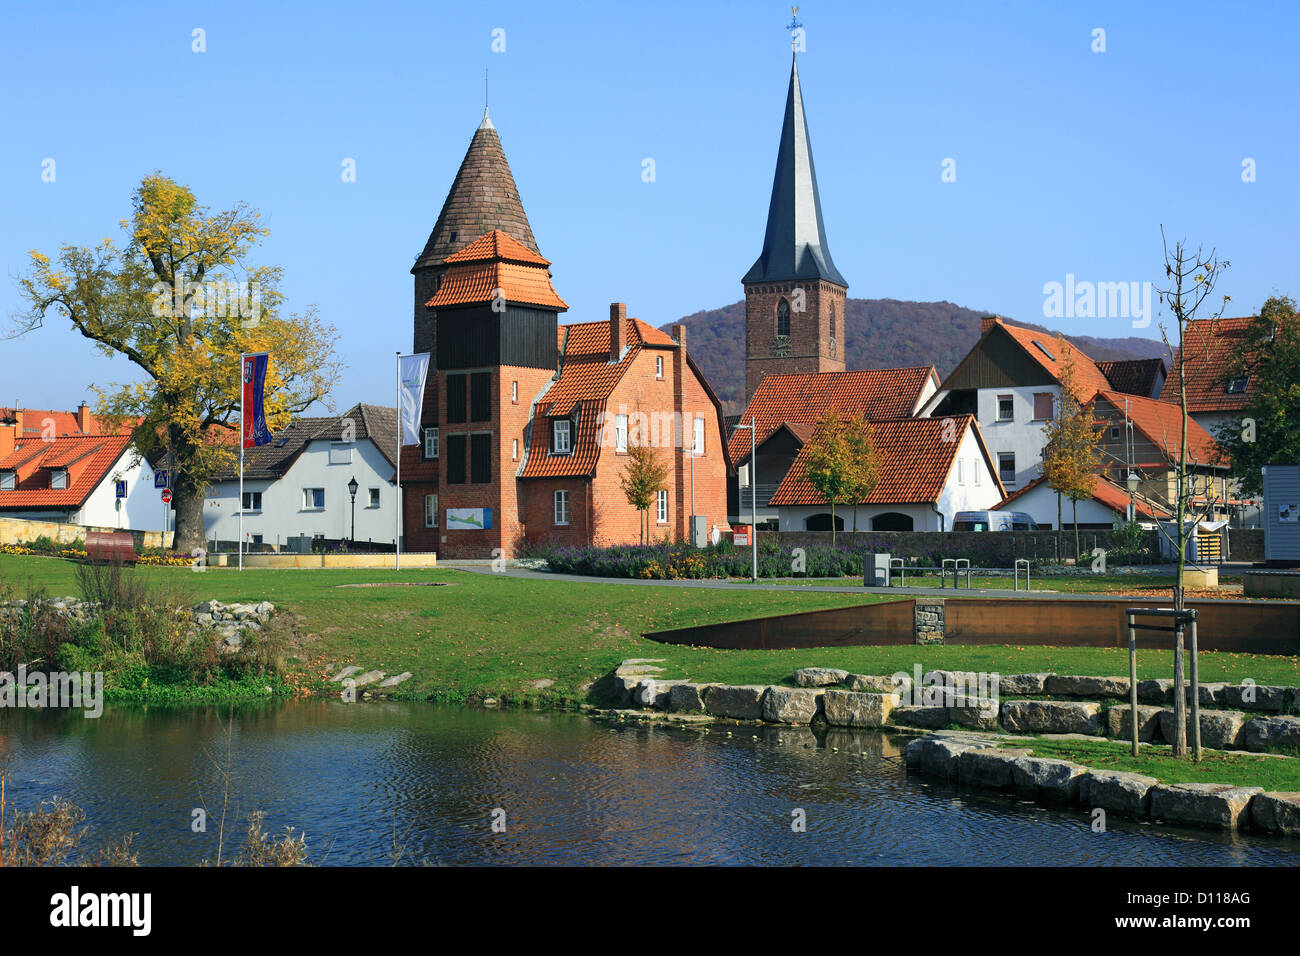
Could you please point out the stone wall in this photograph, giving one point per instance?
(18, 530)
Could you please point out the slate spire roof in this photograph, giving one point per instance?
(794, 246)
(483, 197)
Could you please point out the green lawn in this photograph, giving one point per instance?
(1154, 760)
(495, 635)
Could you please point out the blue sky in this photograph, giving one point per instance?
(1067, 160)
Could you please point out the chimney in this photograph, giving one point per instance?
(83, 418)
(617, 315)
(679, 333)
(987, 323)
(8, 437)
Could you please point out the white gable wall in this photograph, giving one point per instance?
(141, 510)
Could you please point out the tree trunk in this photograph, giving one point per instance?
(189, 533)
(1074, 505)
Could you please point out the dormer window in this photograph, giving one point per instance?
(8, 480)
(1237, 386)
(58, 478)
(560, 437)
(783, 318)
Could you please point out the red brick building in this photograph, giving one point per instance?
(526, 422)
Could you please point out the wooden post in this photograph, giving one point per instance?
(1196, 700)
(1180, 693)
(1133, 681)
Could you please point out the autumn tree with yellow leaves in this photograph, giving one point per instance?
(842, 463)
(181, 301)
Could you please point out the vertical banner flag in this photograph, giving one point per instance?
(254, 414)
(411, 372)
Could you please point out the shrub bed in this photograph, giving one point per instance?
(671, 561)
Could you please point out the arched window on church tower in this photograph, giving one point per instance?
(783, 318)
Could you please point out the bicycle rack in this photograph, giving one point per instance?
(1019, 563)
(896, 564)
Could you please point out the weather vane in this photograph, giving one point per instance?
(794, 25)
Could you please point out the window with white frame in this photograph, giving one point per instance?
(659, 366)
(313, 499)
(430, 444)
(620, 433)
(561, 507)
(1006, 408)
(977, 468)
(698, 448)
(252, 501)
(374, 497)
(961, 474)
(340, 453)
(514, 449)
(514, 391)
(1007, 467)
(661, 507)
(560, 444)
(431, 511)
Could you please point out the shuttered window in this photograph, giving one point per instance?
(480, 459)
(480, 397)
(455, 459)
(456, 398)
(1042, 406)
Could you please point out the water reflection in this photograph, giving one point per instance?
(360, 779)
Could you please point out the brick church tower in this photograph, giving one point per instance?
(794, 295)
(483, 197)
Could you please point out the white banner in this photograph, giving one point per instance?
(411, 372)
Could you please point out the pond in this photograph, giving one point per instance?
(374, 781)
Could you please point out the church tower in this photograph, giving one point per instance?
(794, 295)
(483, 197)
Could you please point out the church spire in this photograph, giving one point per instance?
(794, 246)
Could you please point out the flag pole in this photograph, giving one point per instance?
(243, 424)
(397, 518)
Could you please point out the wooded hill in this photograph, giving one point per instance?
(879, 333)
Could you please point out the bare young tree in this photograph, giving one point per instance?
(1190, 278)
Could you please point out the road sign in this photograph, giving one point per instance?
(167, 495)
(160, 478)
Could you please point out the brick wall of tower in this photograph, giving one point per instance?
(813, 345)
(426, 335)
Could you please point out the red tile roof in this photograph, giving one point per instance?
(1105, 492)
(587, 379)
(96, 454)
(1208, 353)
(1161, 423)
(496, 264)
(879, 394)
(915, 463)
(1044, 349)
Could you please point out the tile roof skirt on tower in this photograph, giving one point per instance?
(794, 246)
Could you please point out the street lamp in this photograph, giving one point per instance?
(1132, 481)
(753, 496)
(352, 490)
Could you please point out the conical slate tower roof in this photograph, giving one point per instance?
(483, 197)
(794, 246)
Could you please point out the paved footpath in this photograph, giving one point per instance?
(901, 593)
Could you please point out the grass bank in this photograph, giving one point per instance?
(1155, 760)
(493, 635)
